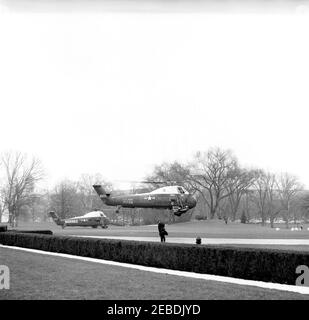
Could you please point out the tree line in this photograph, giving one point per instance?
(224, 189)
(228, 191)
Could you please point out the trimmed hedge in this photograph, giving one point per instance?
(268, 265)
(3, 228)
(49, 232)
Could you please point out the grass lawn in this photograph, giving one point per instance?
(34, 276)
(204, 229)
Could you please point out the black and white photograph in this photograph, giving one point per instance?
(154, 154)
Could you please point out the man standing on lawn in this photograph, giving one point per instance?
(162, 231)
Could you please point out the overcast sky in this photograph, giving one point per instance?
(117, 92)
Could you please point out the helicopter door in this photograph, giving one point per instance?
(173, 201)
(176, 201)
(179, 201)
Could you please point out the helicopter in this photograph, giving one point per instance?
(91, 219)
(175, 198)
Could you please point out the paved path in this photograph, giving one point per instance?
(302, 242)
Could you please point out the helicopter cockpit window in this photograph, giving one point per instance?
(181, 190)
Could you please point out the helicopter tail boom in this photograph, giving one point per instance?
(101, 192)
(56, 219)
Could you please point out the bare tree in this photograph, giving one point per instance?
(273, 195)
(260, 195)
(211, 174)
(70, 198)
(304, 205)
(64, 199)
(239, 183)
(171, 174)
(2, 207)
(87, 196)
(288, 187)
(273, 204)
(20, 178)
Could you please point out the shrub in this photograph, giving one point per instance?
(3, 228)
(247, 263)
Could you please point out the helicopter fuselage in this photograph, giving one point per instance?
(178, 200)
